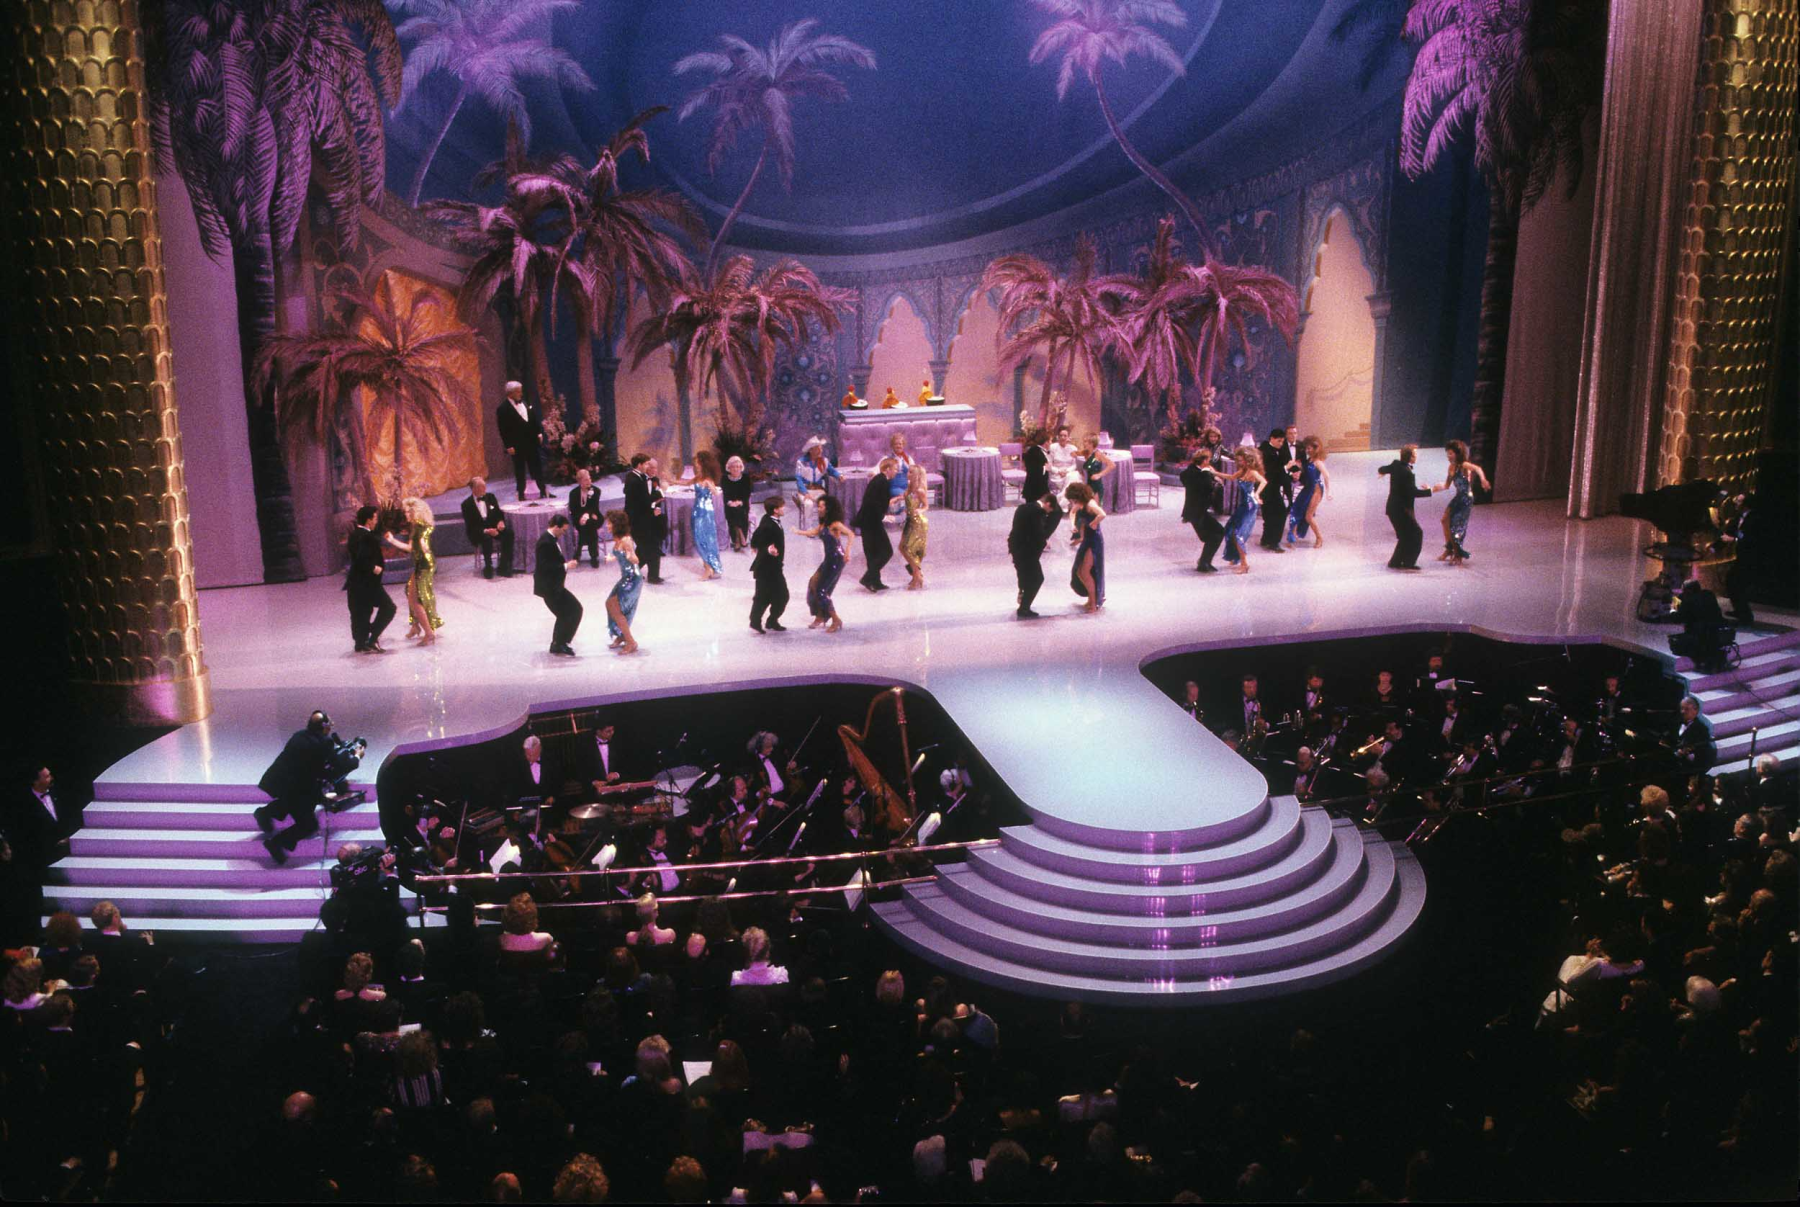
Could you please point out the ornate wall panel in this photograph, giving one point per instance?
(81, 200)
(1727, 286)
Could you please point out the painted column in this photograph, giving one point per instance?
(80, 197)
(939, 370)
(1380, 306)
(859, 377)
(1722, 343)
(606, 380)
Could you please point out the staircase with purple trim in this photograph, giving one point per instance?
(1283, 899)
(186, 861)
(1759, 697)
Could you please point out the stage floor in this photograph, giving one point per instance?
(1056, 704)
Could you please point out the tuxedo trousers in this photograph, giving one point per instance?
(1030, 573)
(529, 459)
(1210, 532)
(371, 608)
(771, 596)
(567, 610)
(1409, 538)
(878, 551)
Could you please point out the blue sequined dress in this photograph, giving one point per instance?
(706, 526)
(818, 595)
(1462, 502)
(626, 590)
(1243, 519)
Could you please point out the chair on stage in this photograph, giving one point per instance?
(1146, 483)
(1012, 475)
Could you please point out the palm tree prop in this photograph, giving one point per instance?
(727, 328)
(485, 46)
(257, 100)
(620, 243)
(1520, 77)
(1071, 317)
(1156, 344)
(1209, 307)
(389, 353)
(753, 91)
(1087, 35)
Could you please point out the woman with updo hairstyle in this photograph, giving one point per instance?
(421, 587)
(622, 600)
(757, 970)
(1248, 485)
(519, 926)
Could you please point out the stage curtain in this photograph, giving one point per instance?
(1543, 349)
(1646, 137)
(434, 467)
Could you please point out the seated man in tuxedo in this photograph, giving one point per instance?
(588, 516)
(1574, 745)
(534, 777)
(1190, 701)
(610, 769)
(487, 528)
(1695, 752)
(1704, 635)
(1399, 756)
(771, 772)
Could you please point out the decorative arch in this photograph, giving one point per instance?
(882, 312)
(1338, 345)
(903, 346)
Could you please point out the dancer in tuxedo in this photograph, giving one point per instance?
(767, 567)
(644, 508)
(487, 528)
(548, 572)
(522, 432)
(370, 605)
(1036, 464)
(878, 549)
(1196, 508)
(1033, 522)
(588, 517)
(1277, 489)
(1403, 491)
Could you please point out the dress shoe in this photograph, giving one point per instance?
(1027, 614)
(362, 647)
(1208, 568)
(655, 581)
(263, 823)
(276, 851)
(487, 572)
(755, 628)
(775, 626)
(375, 647)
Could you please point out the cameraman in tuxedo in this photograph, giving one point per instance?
(296, 783)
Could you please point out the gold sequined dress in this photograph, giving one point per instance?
(912, 537)
(424, 573)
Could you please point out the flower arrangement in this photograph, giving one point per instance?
(755, 445)
(588, 447)
(1178, 438)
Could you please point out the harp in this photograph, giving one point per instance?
(891, 813)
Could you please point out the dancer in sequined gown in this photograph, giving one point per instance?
(1087, 578)
(708, 502)
(1245, 489)
(421, 593)
(622, 600)
(834, 535)
(912, 537)
(1461, 481)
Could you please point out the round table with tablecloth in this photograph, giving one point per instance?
(678, 521)
(1118, 489)
(972, 479)
(528, 522)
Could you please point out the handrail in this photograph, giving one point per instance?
(869, 887)
(684, 868)
(1451, 806)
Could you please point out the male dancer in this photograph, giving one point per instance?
(1403, 489)
(522, 432)
(548, 571)
(878, 549)
(487, 526)
(1032, 523)
(1278, 490)
(770, 543)
(587, 515)
(370, 606)
(1196, 508)
(644, 508)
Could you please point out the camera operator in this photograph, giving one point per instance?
(311, 762)
(364, 912)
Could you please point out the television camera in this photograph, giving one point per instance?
(1683, 513)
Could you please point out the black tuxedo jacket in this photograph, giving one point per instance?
(1275, 462)
(31, 832)
(622, 757)
(580, 510)
(549, 782)
(768, 532)
(1202, 490)
(522, 434)
(874, 507)
(1694, 747)
(1403, 488)
(473, 524)
(365, 555)
(547, 569)
(1031, 530)
(1037, 473)
(308, 759)
(641, 497)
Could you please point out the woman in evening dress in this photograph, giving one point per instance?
(835, 536)
(912, 537)
(1315, 484)
(736, 492)
(421, 592)
(622, 600)
(1461, 481)
(1088, 576)
(707, 504)
(1245, 490)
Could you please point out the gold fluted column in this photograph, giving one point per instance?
(93, 330)
(1727, 289)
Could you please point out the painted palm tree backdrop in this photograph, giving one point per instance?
(1107, 190)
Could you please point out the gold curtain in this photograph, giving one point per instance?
(431, 467)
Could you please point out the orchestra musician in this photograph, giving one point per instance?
(1190, 701)
(532, 777)
(771, 773)
(1251, 709)
(1695, 752)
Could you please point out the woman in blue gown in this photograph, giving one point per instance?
(707, 498)
(1460, 482)
(622, 600)
(1088, 576)
(835, 536)
(1314, 483)
(1247, 487)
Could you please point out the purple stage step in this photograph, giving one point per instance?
(1775, 691)
(1203, 957)
(1300, 865)
(1272, 839)
(256, 871)
(1748, 671)
(1198, 836)
(1751, 648)
(1334, 885)
(237, 843)
(209, 815)
(1382, 930)
(192, 901)
(224, 794)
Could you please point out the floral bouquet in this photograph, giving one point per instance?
(566, 452)
(755, 445)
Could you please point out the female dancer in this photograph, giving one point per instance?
(1315, 485)
(835, 536)
(707, 505)
(1092, 465)
(1061, 456)
(736, 490)
(622, 600)
(1246, 488)
(1088, 577)
(912, 537)
(421, 593)
(1460, 481)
